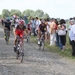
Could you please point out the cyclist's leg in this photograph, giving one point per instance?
(22, 40)
(9, 33)
(27, 32)
(39, 36)
(15, 40)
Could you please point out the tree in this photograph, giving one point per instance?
(28, 13)
(5, 13)
(45, 16)
(39, 13)
(15, 12)
(0, 16)
(58, 19)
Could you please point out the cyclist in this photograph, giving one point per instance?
(7, 25)
(19, 31)
(42, 29)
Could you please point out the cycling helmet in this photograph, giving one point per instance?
(8, 19)
(21, 22)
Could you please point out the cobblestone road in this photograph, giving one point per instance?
(35, 62)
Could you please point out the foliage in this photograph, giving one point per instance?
(5, 13)
(15, 12)
(0, 16)
(39, 13)
(29, 13)
(45, 16)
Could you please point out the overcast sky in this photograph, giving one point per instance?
(55, 8)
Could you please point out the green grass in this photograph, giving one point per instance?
(66, 53)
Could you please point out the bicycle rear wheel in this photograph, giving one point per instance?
(22, 56)
(43, 45)
(17, 54)
(40, 44)
(7, 37)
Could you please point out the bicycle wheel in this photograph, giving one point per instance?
(17, 54)
(40, 45)
(7, 36)
(22, 55)
(43, 44)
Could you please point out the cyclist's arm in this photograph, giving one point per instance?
(4, 26)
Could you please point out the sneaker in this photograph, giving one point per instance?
(4, 36)
(38, 42)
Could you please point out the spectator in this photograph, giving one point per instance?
(72, 37)
(48, 29)
(52, 33)
(33, 22)
(62, 34)
(2, 22)
(69, 29)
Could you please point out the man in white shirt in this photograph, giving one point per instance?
(72, 38)
(69, 29)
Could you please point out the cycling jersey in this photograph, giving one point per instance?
(7, 25)
(43, 28)
(19, 31)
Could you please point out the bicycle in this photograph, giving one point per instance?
(42, 41)
(19, 49)
(7, 35)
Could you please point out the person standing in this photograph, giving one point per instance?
(72, 37)
(52, 33)
(69, 29)
(62, 34)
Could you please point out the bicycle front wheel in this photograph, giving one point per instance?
(43, 45)
(22, 55)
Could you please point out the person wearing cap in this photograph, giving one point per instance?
(19, 31)
(7, 25)
(69, 29)
(72, 37)
(41, 29)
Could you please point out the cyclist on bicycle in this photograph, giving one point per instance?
(41, 30)
(7, 25)
(19, 31)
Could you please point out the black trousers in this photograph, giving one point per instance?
(73, 47)
(63, 39)
(70, 41)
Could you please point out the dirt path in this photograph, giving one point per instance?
(35, 62)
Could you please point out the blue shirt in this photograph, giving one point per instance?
(72, 33)
(33, 24)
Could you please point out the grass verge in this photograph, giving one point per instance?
(66, 53)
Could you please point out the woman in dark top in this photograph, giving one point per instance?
(63, 33)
